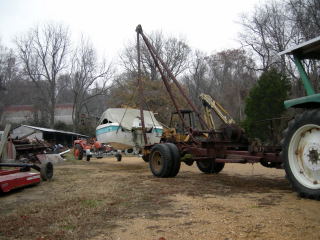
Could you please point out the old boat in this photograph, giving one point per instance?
(121, 128)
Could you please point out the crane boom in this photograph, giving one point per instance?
(210, 104)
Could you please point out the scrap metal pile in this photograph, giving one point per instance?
(18, 157)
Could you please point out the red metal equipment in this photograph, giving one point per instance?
(11, 179)
(15, 174)
(89, 148)
(81, 148)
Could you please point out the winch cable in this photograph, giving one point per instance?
(131, 101)
(146, 103)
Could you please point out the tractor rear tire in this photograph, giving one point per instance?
(301, 153)
(46, 171)
(209, 166)
(160, 161)
(175, 155)
(78, 152)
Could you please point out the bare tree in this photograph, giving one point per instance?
(227, 76)
(43, 52)
(8, 74)
(8, 66)
(175, 53)
(277, 25)
(306, 16)
(268, 31)
(196, 79)
(89, 78)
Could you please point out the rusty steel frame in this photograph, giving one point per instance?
(153, 51)
(164, 79)
(141, 92)
(216, 146)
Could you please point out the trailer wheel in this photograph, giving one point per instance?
(301, 153)
(78, 152)
(118, 157)
(88, 158)
(160, 161)
(175, 155)
(146, 157)
(210, 166)
(46, 171)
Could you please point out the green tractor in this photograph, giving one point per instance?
(301, 139)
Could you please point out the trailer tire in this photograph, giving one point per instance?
(78, 152)
(210, 166)
(46, 171)
(160, 161)
(118, 157)
(175, 155)
(146, 157)
(301, 153)
(88, 158)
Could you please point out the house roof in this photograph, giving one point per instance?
(54, 130)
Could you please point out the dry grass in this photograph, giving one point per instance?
(107, 198)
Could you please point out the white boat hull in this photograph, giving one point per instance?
(114, 135)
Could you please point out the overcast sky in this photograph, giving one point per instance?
(208, 25)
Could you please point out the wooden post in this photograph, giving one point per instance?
(4, 139)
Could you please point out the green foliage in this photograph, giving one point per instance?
(265, 101)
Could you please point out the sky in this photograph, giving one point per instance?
(206, 25)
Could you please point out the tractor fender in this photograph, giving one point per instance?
(310, 102)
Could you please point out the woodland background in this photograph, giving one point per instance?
(45, 69)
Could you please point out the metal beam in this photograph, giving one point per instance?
(4, 139)
(304, 77)
(141, 92)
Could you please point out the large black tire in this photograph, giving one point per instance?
(160, 161)
(78, 148)
(209, 166)
(301, 153)
(46, 171)
(146, 157)
(88, 158)
(175, 155)
(118, 157)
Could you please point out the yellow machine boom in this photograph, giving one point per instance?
(210, 104)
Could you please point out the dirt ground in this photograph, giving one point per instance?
(106, 199)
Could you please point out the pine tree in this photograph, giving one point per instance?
(265, 101)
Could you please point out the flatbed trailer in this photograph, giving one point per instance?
(211, 149)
